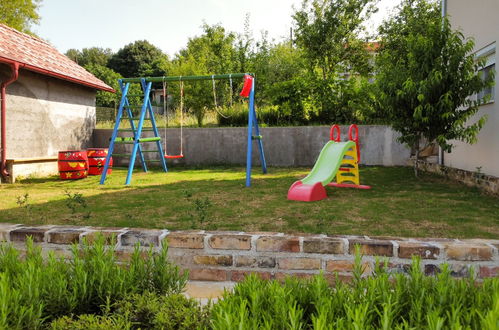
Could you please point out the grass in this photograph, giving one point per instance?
(215, 199)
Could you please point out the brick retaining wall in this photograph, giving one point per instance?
(230, 256)
(483, 181)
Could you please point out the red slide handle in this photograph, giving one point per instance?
(335, 137)
(248, 83)
(355, 138)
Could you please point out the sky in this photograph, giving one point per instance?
(168, 24)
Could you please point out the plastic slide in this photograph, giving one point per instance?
(311, 188)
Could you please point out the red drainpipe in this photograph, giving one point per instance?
(15, 75)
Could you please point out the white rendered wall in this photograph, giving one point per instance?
(478, 19)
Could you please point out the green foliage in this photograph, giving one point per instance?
(152, 311)
(90, 56)
(20, 14)
(144, 311)
(328, 32)
(426, 76)
(92, 322)
(384, 301)
(33, 291)
(139, 59)
(211, 53)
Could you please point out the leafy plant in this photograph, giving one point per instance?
(75, 201)
(201, 208)
(426, 73)
(33, 291)
(383, 301)
(23, 202)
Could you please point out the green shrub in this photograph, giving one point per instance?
(91, 322)
(412, 301)
(33, 291)
(144, 311)
(152, 311)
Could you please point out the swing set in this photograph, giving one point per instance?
(181, 106)
(146, 113)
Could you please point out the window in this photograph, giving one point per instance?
(489, 54)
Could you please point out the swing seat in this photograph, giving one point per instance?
(174, 156)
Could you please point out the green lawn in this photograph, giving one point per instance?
(215, 198)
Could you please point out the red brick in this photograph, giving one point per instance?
(372, 247)
(126, 255)
(185, 240)
(424, 250)
(239, 275)
(208, 275)
(489, 271)
(110, 237)
(213, 260)
(346, 266)
(278, 244)
(230, 242)
(468, 252)
(299, 263)
(323, 245)
(283, 276)
(335, 279)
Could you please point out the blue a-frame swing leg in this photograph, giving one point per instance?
(124, 91)
(253, 124)
(155, 130)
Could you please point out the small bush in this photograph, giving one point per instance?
(33, 291)
(92, 322)
(152, 311)
(380, 302)
(144, 311)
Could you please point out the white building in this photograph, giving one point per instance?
(479, 19)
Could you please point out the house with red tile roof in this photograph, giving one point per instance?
(47, 104)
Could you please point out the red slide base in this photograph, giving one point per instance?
(348, 185)
(306, 193)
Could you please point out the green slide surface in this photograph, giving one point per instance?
(328, 162)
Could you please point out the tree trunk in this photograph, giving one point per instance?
(416, 160)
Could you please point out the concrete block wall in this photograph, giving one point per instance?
(283, 146)
(45, 115)
(230, 256)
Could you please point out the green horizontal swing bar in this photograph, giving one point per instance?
(131, 140)
(150, 139)
(187, 78)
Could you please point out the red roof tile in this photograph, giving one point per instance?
(39, 56)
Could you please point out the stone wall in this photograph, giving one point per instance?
(230, 256)
(483, 181)
(283, 146)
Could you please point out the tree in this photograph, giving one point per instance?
(110, 77)
(20, 14)
(329, 32)
(427, 76)
(93, 55)
(139, 59)
(213, 52)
